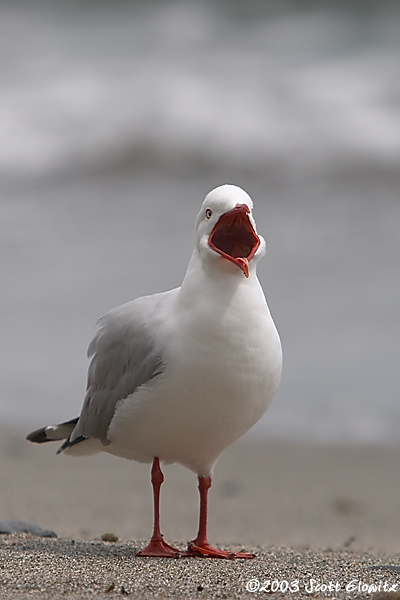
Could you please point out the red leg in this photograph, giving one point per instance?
(200, 546)
(157, 546)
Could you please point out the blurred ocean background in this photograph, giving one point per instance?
(117, 117)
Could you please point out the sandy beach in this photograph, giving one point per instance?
(307, 512)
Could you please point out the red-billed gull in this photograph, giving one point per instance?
(179, 376)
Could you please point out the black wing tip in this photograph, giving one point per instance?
(68, 443)
(38, 436)
(52, 433)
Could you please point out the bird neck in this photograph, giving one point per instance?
(217, 279)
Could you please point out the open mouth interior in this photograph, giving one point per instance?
(234, 238)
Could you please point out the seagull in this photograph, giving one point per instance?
(178, 376)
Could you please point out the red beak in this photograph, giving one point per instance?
(234, 238)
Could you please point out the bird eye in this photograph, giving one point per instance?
(208, 213)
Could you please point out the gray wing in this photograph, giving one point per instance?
(126, 353)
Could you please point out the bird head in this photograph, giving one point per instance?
(226, 229)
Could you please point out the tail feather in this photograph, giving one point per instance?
(52, 433)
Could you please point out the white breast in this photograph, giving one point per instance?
(223, 364)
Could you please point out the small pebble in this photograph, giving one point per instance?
(109, 537)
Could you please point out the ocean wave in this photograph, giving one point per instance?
(180, 84)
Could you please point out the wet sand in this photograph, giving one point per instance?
(307, 512)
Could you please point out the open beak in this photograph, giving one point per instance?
(234, 238)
